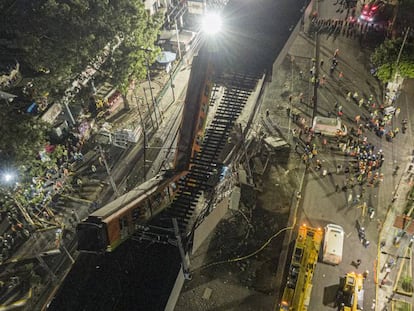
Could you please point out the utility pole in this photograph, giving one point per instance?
(149, 110)
(172, 85)
(400, 52)
(154, 100)
(315, 84)
(144, 132)
(292, 58)
(150, 88)
(178, 39)
(108, 170)
(184, 260)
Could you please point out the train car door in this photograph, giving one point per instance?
(123, 227)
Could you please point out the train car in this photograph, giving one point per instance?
(109, 226)
(195, 111)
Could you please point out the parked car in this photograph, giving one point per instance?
(376, 12)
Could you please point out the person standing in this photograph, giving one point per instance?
(348, 96)
(355, 96)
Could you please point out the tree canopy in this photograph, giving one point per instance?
(385, 58)
(55, 40)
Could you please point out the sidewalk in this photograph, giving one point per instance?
(391, 255)
(351, 56)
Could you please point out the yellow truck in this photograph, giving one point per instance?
(352, 292)
(296, 294)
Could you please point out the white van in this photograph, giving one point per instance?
(329, 126)
(333, 244)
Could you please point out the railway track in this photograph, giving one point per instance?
(205, 169)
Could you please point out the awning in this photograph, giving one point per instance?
(166, 57)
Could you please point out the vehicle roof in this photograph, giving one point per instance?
(376, 2)
(326, 120)
(334, 226)
(135, 195)
(334, 239)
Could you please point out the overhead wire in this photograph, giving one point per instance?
(246, 256)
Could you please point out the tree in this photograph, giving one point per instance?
(385, 57)
(21, 139)
(55, 40)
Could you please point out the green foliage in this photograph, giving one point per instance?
(406, 284)
(58, 39)
(385, 58)
(54, 41)
(22, 137)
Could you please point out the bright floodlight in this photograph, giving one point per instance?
(8, 177)
(212, 23)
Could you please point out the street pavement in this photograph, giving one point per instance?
(320, 202)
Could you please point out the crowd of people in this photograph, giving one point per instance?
(32, 205)
(349, 26)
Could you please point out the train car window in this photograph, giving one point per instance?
(123, 227)
(136, 214)
(122, 223)
(204, 107)
(201, 124)
(198, 140)
(207, 90)
(168, 192)
(157, 199)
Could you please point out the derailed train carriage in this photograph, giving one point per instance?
(110, 225)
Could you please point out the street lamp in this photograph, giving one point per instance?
(395, 256)
(212, 23)
(8, 177)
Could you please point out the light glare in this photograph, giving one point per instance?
(8, 177)
(212, 23)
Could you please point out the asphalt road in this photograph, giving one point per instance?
(321, 204)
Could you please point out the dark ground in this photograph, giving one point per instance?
(224, 264)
